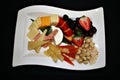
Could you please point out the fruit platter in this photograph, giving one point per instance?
(66, 39)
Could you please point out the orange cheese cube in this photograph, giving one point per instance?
(45, 21)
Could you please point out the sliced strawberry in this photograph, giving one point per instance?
(85, 22)
(78, 41)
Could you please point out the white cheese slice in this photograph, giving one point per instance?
(59, 36)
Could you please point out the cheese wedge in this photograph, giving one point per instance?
(32, 33)
(35, 24)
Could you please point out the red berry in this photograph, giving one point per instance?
(85, 22)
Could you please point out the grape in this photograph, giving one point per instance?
(91, 34)
(69, 21)
(91, 24)
(65, 17)
(86, 33)
(93, 29)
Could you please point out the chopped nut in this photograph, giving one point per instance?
(88, 40)
(86, 45)
(77, 57)
(84, 58)
(85, 62)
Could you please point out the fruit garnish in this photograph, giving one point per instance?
(85, 22)
(78, 40)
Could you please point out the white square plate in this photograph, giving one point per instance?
(21, 55)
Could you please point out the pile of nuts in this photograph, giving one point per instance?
(88, 53)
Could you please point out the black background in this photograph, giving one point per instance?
(38, 72)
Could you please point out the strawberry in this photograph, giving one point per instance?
(85, 22)
(78, 40)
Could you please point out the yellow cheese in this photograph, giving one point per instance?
(32, 33)
(35, 24)
(38, 21)
(54, 19)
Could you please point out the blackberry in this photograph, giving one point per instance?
(93, 29)
(65, 17)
